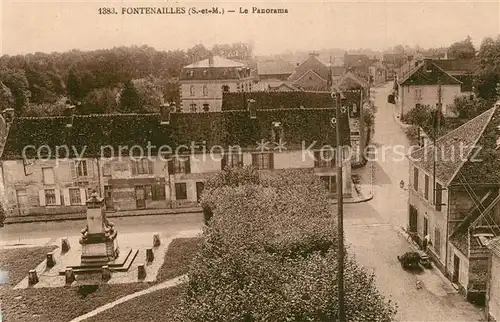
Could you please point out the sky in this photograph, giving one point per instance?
(30, 26)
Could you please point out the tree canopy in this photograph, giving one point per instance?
(462, 49)
(269, 253)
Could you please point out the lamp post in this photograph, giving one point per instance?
(340, 206)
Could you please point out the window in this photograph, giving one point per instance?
(426, 189)
(415, 179)
(180, 191)
(225, 89)
(50, 197)
(439, 197)
(191, 90)
(158, 192)
(206, 107)
(426, 226)
(48, 175)
(75, 197)
(232, 160)
(80, 169)
(205, 90)
(324, 159)
(263, 160)
(437, 241)
(179, 165)
(192, 108)
(418, 93)
(142, 166)
(106, 169)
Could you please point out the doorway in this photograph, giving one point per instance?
(22, 201)
(140, 197)
(199, 189)
(456, 269)
(413, 219)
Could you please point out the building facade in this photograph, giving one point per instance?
(155, 161)
(203, 83)
(457, 204)
(311, 75)
(493, 293)
(425, 84)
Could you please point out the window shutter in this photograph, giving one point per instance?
(83, 196)
(58, 196)
(150, 167)
(271, 161)
(187, 163)
(73, 169)
(133, 167)
(41, 197)
(170, 165)
(90, 168)
(223, 162)
(66, 198)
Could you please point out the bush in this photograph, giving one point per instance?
(467, 108)
(270, 254)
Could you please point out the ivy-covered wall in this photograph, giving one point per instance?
(285, 100)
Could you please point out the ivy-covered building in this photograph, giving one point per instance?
(50, 165)
(454, 198)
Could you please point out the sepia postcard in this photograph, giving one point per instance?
(249, 161)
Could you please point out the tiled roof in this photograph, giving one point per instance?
(311, 63)
(485, 167)
(494, 246)
(454, 148)
(218, 61)
(356, 60)
(461, 241)
(428, 73)
(456, 66)
(275, 67)
(350, 81)
(127, 130)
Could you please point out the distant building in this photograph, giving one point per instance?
(378, 73)
(274, 86)
(274, 70)
(421, 84)
(357, 63)
(203, 83)
(461, 69)
(311, 75)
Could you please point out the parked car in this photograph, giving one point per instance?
(390, 99)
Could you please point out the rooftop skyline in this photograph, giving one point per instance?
(46, 26)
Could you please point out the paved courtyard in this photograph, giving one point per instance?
(373, 230)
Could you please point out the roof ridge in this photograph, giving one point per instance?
(307, 71)
(432, 62)
(412, 71)
(493, 109)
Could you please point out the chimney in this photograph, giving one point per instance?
(252, 108)
(165, 110)
(211, 60)
(69, 113)
(8, 114)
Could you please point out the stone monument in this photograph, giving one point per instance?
(99, 243)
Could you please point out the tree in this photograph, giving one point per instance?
(101, 100)
(129, 99)
(462, 49)
(150, 94)
(16, 81)
(73, 86)
(487, 73)
(468, 108)
(269, 254)
(6, 98)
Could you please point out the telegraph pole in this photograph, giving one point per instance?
(437, 124)
(340, 212)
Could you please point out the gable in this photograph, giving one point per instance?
(311, 80)
(312, 63)
(428, 73)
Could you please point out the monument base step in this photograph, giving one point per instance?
(121, 264)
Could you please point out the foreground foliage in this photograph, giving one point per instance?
(269, 253)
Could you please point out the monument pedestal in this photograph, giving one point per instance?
(99, 243)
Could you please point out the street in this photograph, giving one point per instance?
(373, 231)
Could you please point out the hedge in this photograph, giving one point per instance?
(269, 253)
